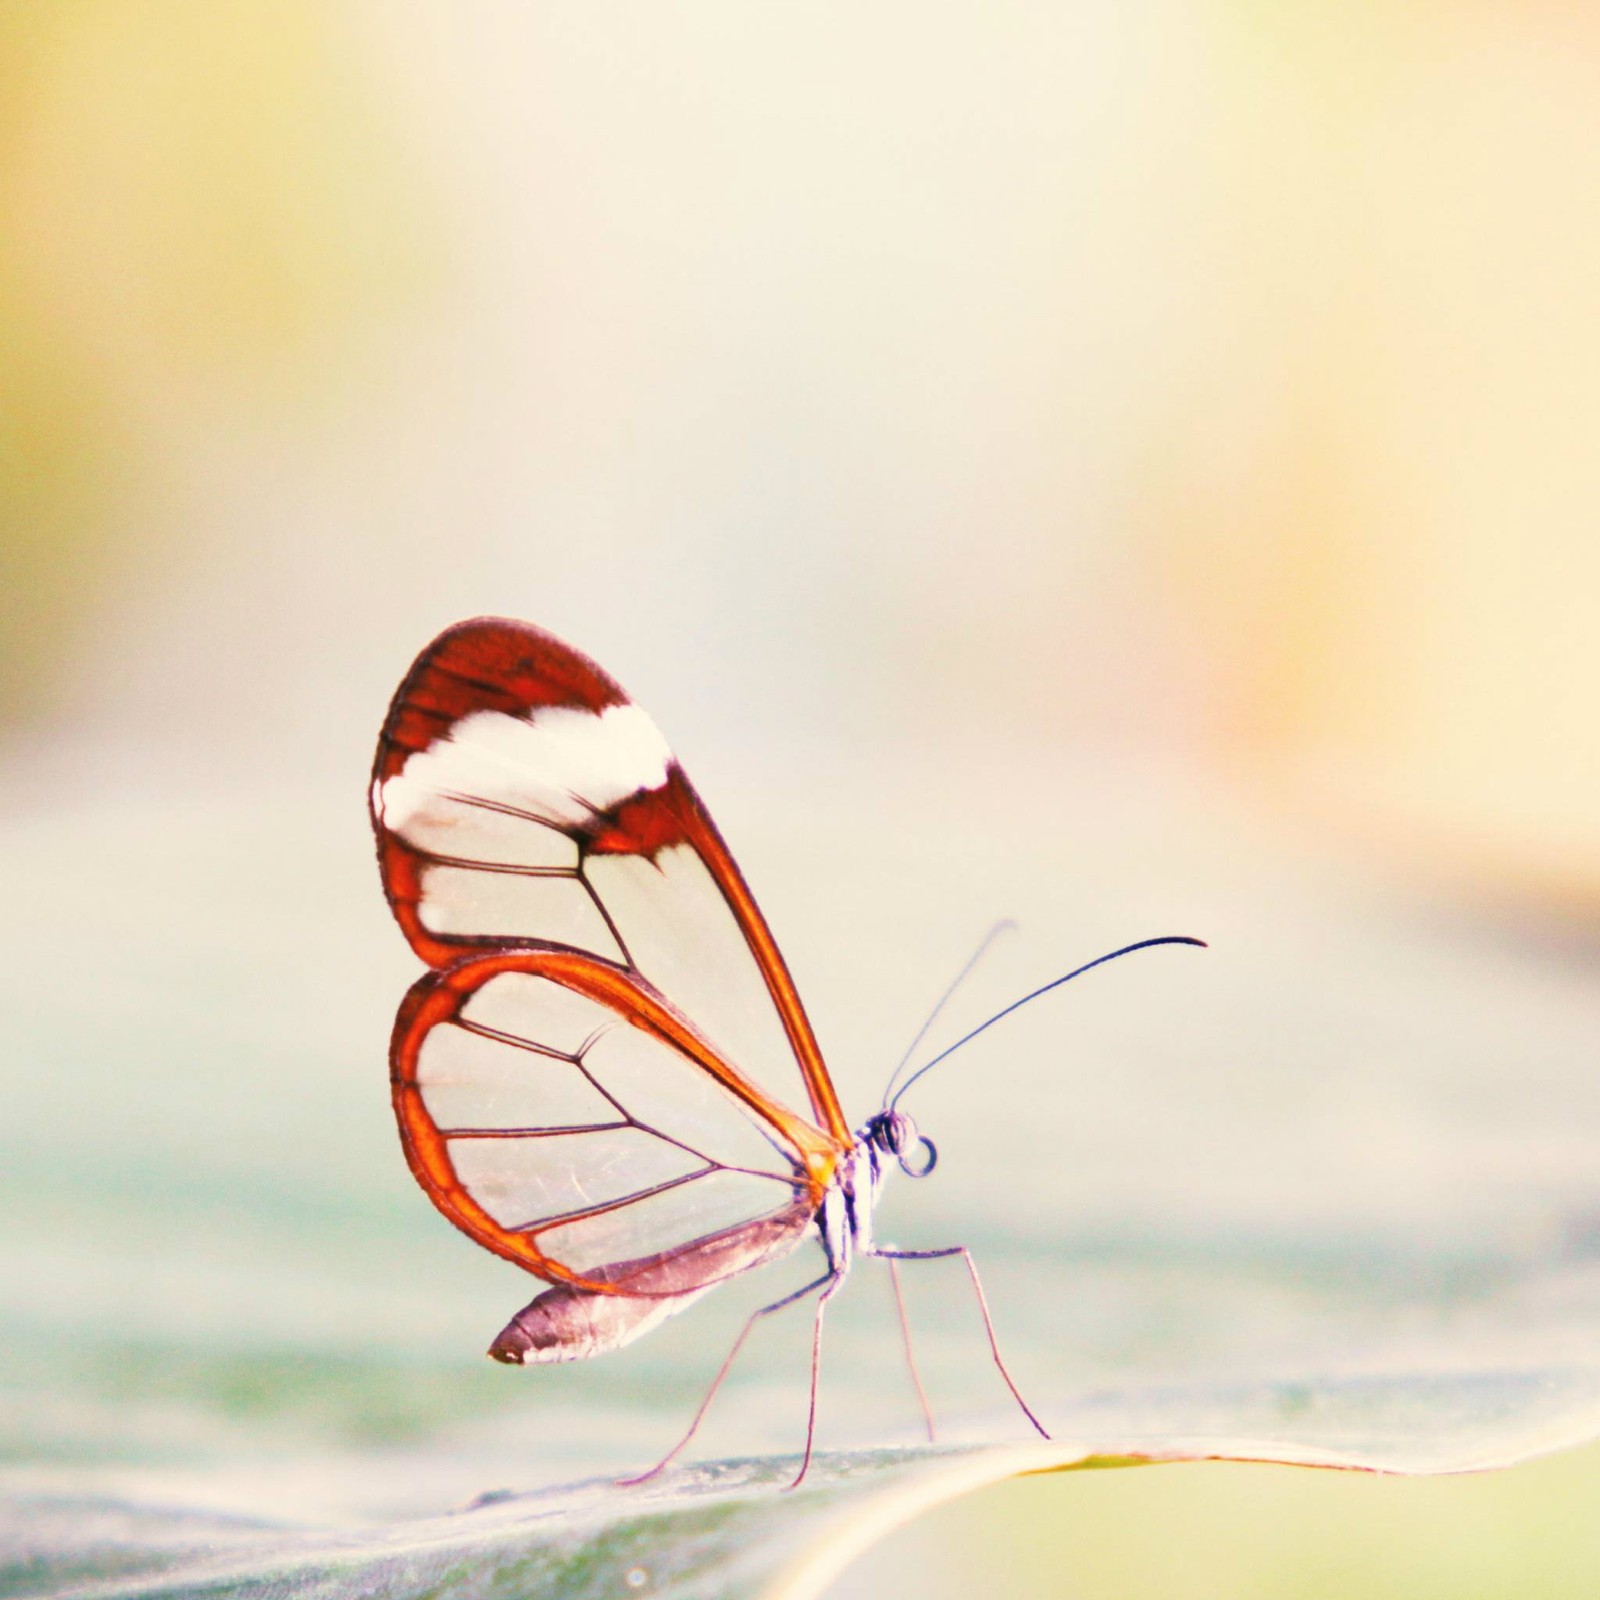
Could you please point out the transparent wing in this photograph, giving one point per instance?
(562, 1114)
(520, 798)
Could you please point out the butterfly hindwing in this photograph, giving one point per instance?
(563, 1115)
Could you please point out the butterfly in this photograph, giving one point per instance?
(607, 1076)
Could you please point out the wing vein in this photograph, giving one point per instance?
(539, 1224)
(504, 808)
(538, 1133)
(515, 869)
(484, 1031)
(607, 918)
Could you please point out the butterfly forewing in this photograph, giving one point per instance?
(520, 798)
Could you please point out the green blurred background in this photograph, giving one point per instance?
(1189, 400)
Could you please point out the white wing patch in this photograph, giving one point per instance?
(560, 765)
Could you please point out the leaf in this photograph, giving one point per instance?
(727, 1528)
(1324, 1195)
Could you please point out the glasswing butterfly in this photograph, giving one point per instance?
(607, 1076)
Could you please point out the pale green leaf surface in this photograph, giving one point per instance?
(1326, 1193)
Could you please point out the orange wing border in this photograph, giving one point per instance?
(439, 996)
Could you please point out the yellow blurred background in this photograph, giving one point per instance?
(1217, 377)
(1207, 390)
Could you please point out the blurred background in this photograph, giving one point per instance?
(1127, 466)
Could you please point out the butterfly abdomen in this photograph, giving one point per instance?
(569, 1324)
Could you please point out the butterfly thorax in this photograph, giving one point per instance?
(845, 1218)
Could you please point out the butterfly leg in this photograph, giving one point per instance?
(826, 1282)
(983, 1308)
(911, 1358)
(835, 1282)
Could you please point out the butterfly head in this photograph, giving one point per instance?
(895, 1134)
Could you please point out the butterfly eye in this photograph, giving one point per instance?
(888, 1131)
(896, 1134)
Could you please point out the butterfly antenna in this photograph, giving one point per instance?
(1006, 925)
(1077, 972)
